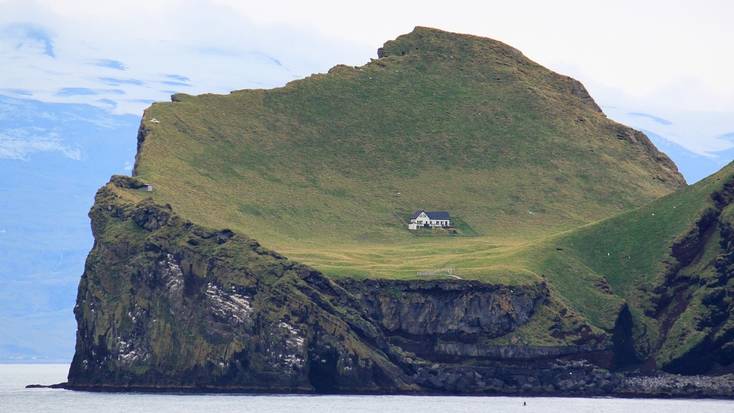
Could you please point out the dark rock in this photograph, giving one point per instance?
(151, 216)
(172, 306)
(128, 182)
(670, 385)
(449, 308)
(156, 312)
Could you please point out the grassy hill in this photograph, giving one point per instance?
(670, 261)
(547, 193)
(325, 169)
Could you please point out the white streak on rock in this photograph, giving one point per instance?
(294, 346)
(229, 306)
(172, 274)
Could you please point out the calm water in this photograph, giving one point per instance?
(14, 398)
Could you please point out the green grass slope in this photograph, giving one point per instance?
(670, 261)
(325, 169)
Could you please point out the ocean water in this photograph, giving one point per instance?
(14, 398)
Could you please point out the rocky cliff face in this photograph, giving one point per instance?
(165, 304)
(694, 301)
(456, 320)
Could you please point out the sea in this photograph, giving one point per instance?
(15, 398)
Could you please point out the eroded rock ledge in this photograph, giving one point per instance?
(166, 305)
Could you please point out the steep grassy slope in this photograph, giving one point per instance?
(326, 169)
(670, 261)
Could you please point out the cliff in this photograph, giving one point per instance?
(585, 265)
(166, 305)
(671, 263)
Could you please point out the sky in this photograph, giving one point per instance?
(668, 59)
(76, 75)
(56, 155)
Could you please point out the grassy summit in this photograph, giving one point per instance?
(326, 169)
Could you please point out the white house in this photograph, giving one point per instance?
(433, 219)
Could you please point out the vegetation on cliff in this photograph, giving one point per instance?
(583, 250)
(670, 261)
(165, 304)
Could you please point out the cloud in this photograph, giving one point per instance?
(29, 37)
(679, 73)
(108, 103)
(144, 101)
(76, 91)
(19, 144)
(110, 64)
(702, 133)
(267, 57)
(174, 83)
(112, 81)
(84, 91)
(151, 42)
(217, 51)
(657, 119)
(179, 78)
(20, 92)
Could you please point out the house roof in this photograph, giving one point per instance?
(442, 215)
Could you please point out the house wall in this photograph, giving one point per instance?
(422, 219)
